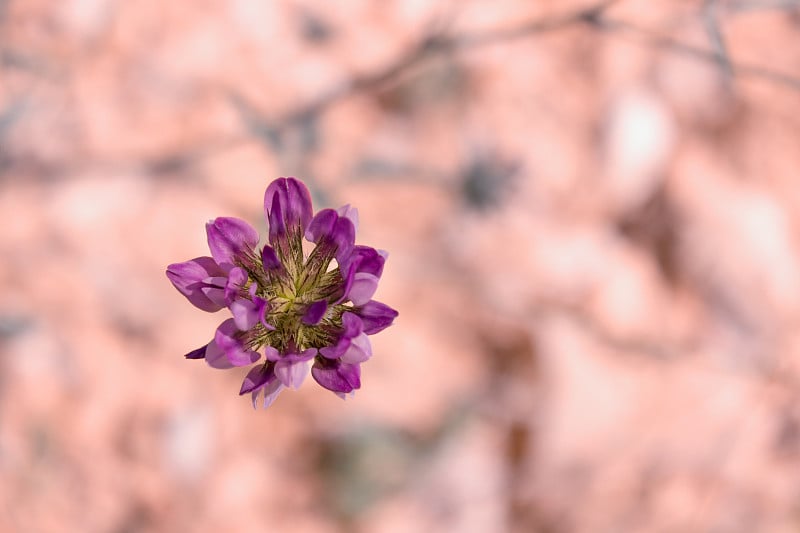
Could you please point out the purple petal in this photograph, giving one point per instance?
(263, 307)
(302, 356)
(349, 212)
(368, 260)
(347, 281)
(359, 350)
(351, 327)
(271, 392)
(217, 281)
(199, 353)
(291, 374)
(352, 324)
(287, 203)
(189, 278)
(227, 339)
(230, 237)
(362, 268)
(248, 313)
(375, 316)
(293, 357)
(257, 378)
(315, 312)
(363, 287)
(215, 357)
(336, 376)
(245, 314)
(237, 278)
(277, 226)
(272, 354)
(335, 351)
(216, 295)
(344, 237)
(321, 225)
(328, 229)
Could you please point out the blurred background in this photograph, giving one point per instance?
(593, 220)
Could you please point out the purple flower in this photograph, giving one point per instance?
(299, 309)
(375, 316)
(337, 376)
(229, 238)
(202, 281)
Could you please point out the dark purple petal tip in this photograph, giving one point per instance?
(315, 312)
(270, 259)
(199, 353)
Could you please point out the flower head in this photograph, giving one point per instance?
(297, 309)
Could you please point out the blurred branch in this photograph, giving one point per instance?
(656, 40)
(754, 5)
(274, 131)
(529, 28)
(711, 20)
(437, 43)
(593, 16)
(655, 348)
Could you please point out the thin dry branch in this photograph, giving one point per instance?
(715, 35)
(594, 16)
(761, 5)
(656, 40)
(437, 43)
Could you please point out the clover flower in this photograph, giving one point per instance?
(293, 306)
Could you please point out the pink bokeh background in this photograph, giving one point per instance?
(594, 240)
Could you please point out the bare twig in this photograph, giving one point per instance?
(711, 20)
(272, 129)
(530, 28)
(435, 43)
(650, 38)
(760, 5)
(594, 16)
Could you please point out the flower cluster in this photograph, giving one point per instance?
(294, 306)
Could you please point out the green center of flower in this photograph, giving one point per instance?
(289, 290)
